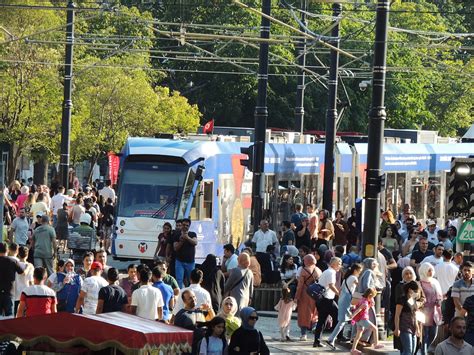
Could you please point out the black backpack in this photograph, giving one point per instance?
(316, 291)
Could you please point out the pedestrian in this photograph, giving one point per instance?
(446, 272)
(214, 342)
(57, 203)
(26, 279)
(20, 227)
(213, 280)
(89, 294)
(406, 327)
(128, 282)
(285, 308)
(264, 237)
(455, 344)
(111, 298)
(349, 284)
(62, 227)
(147, 301)
(162, 242)
(166, 293)
(432, 306)
(254, 267)
(69, 284)
(185, 248)
(307, 312)
(327, 305)
(288, 273)
(203, 298)
(247, 339)
(240, 283)
(167, 278)
(468, 307)
(107, 222)
(38, 298)
(87, 260)
(361, 319)
(229, 261)
(463, 288)
(227, 311)
(341, 230)
(9, 267)
(325, 229)
(44, 243)
(302, 233)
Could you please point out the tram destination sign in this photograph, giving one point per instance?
(466, 233)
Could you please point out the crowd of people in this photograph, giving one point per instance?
(425, 285)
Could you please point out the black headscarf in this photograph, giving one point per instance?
(209, 268)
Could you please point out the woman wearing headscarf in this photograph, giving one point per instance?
(307, 312)
(431, 309)
(325, 229)
(408, 275)
(247, 339)
(227, 311)
(213, 280)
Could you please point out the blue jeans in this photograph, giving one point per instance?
(429, 333)
(409, 343)
(183, 271)
(6, 304)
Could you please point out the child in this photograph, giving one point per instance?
(214, 342)
(285, 307)
(361, 318)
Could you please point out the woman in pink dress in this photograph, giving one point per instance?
(307, 312)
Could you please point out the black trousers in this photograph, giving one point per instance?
(325, 308)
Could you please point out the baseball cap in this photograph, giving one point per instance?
(39, 214)
(85, 218)
(69, 261)
(431, 223)
(96, 265)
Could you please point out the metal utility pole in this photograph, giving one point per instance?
(331, 114)
(301, 54)
(377, 116)
(261, 115)
(67, 103)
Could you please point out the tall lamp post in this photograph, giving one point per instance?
(301, 54)
(67, 102)
(331, 114)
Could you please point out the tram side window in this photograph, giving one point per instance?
(417, 196)
(196, 206)
(433, 199)
(207, 199)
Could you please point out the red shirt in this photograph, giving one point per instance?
(39, 299)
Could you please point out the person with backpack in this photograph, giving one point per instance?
(327, 305)
(307, 312)
(348, 287)
(214, 342)
(108, 222)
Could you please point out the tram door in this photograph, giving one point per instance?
(395, 192)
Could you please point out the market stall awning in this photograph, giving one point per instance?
(124, 332)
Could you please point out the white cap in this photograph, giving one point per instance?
(85, 218)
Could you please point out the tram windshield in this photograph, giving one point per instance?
(151, 189)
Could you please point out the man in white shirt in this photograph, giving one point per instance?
(264, 237)
(147, 301)
(437, 258)
(432, 231)
(57, 203)
(229, 261)
(89, 296)
(327, 306)
(202, 296)
(107, 191)
(446, 272)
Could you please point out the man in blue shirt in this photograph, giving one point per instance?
(166, 291)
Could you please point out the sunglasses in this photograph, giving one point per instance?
(253, 318)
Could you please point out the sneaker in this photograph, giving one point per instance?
(288, 338)
(343, 339)
(356, 352)
(317, 344)
(303, 338)
(379, 346)
(330, 344)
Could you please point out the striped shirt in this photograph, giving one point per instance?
(39, 299)
(462, 290)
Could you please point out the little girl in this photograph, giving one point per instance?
(214, 342)
(285, 307)
(361, 318)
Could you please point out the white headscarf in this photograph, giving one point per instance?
(423, 272)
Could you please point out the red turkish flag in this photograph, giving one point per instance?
(114, 162)
(208, 127)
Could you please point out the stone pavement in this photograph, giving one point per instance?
(268, 325)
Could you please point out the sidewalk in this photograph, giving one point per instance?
(268, 325)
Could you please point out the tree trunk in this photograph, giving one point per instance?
(12, 166)
(40, 171)
(93, 162)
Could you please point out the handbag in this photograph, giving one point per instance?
(438, 315)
